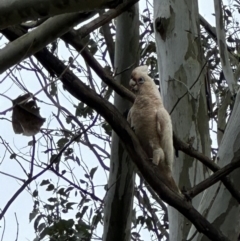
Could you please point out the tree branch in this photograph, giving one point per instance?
(32, 178)
(212, 32)
(217, 176)
(35, 40)
(221, 39)
(18, 11)
(152, 174)
(186, 148)
(73, 39)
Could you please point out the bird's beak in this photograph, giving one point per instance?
(133, 85)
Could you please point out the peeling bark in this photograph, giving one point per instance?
(35, 40)
(182, 87)
(221, 39)
(119, 124)
(224, 210)
(119, 198)
(17, 11)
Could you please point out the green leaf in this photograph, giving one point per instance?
(84, 209)
(55, 158)
(77, 160)
(12, 156)
(69, 205)
(53, 89)
(83, 230)
(83, 111)
(61, 191)
(52, 199)
(49, 207)
(50, 187)
(141, 220)
(87, 176)
(44, 233)
(35, 193)
(30, 143)
(68, 152)
(37, 220)
(44, 182)
(69, 223)
(93, 170)
(149, 223)
(41, 227)
(136, 235)
(68, 119)
(79, 109)
(78, 215)
(63, 201)
(61, 142)
(96, 219)
(69, 189)
(107, 128)
(33, 214)
(134, 218)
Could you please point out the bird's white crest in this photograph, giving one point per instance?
(142, 68)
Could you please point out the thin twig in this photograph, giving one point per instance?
(4, 227)
(189, 88)
(33, 156)
(17, 226)
(30, 179)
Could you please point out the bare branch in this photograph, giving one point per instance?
(73, 39)
(188, 149)
(29, 10)
(212, 32)
(35, 40)
(217, 176)
(154, 176)
(221, 39)
(30, 179)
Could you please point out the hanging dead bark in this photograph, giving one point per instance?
(26, 118)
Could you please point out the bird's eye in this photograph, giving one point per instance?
(141, 80)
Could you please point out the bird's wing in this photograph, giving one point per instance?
(164, 129)
(159, 120)
(129, 116)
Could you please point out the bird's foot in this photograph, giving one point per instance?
(154, 161)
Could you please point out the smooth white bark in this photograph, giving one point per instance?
(35, 40)
(119, 197)
(222, 115)
(221, 39)
(218, 205)
(17, 11)
(180, 64)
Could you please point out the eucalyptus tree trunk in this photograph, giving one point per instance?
(218, 205)
(183, 91)
(119, 197)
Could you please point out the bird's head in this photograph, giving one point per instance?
(140, 78)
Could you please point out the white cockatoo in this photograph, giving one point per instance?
(151, 122)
